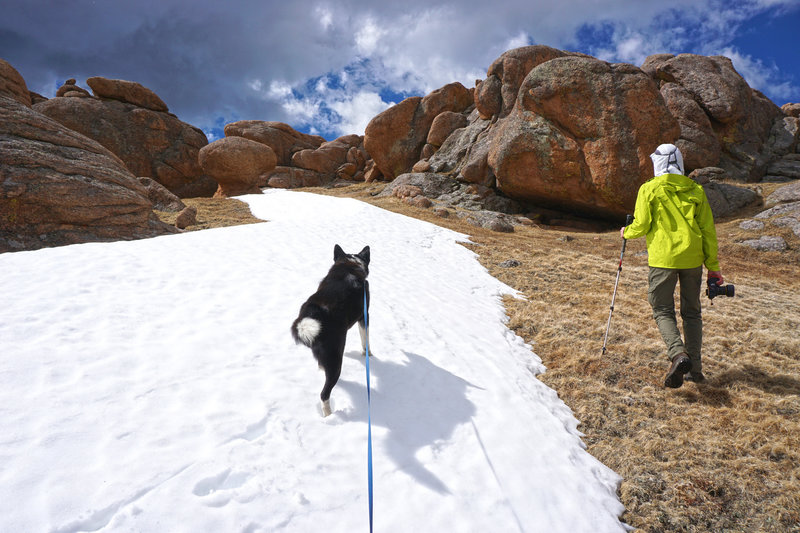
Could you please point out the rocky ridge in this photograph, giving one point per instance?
(133, 123)
(574, 133)
(548, 137)
(59, 187)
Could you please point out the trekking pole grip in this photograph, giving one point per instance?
(628, 222)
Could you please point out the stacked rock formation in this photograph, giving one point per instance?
(59, 187)
(304, 160)
(133, 123)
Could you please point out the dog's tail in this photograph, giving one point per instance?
(305, 330)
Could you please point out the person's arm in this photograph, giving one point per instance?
(641, 217)
(705, 219)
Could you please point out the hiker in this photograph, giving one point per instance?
(672, 211)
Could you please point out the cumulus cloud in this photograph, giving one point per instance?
(766, 78)
(357, 110)
(325, 64)
(331, 105)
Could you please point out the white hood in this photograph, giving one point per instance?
(667, 159)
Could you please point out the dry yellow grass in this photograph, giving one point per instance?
(214, 213)
(721, 456)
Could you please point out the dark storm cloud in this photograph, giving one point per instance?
(329, 65)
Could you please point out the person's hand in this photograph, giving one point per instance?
(716, 275)
(622, 232)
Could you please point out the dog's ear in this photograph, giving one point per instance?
(364, 254)
(338, 253)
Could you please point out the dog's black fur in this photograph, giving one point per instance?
(326, 316)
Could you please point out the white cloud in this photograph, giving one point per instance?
(357, 111)
(423, 47)
(300, 110)
(520, 40)
(325, 17)
(279, 89)
(300, 60)
(765, 78)
(368, 36)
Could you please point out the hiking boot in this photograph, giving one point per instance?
(681, 364)
(697, 377)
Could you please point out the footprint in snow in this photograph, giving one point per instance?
(218, 490)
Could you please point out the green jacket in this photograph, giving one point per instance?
(672, 211)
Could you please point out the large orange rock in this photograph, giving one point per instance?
(395, 138)
(59, 187)
(284, 140)
(13, 85)
(237, 164)
(489, 97)
(328, 158)
(290, 177)
(303, 160)
(151, 143)
(698, 142)
(390, 139)
(126, 91)
(443, 125)
(510, 69)
(580, 136)
(742, 118)
(711, 80)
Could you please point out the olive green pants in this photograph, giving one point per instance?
(661, 297)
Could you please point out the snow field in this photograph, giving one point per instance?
(154, 386)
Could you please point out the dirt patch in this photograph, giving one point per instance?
(214, 213)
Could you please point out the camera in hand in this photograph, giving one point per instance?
(715, 290)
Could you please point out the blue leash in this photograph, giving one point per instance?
(369, 412)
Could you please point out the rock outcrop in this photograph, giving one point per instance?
(698, 140)
(237, 164)
(497, 94)
(782, 215)
(150, 142)
(741, 118)
(304, 160)
(580, 136)
(547, 128)
(282, 138)
(395, 138)
(72, 90)
(787, 194)
(547, 132)
(443, 125)
(13, 85)
(562, 130)
(162, 199)
(341, 158)
(130, 92)
(791, 110)
(59, 187)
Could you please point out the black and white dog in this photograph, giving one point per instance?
(328, 313)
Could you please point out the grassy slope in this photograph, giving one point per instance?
(723, 456)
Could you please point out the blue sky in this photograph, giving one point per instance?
(327, 67)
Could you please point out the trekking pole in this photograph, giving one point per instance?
(628, 220)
